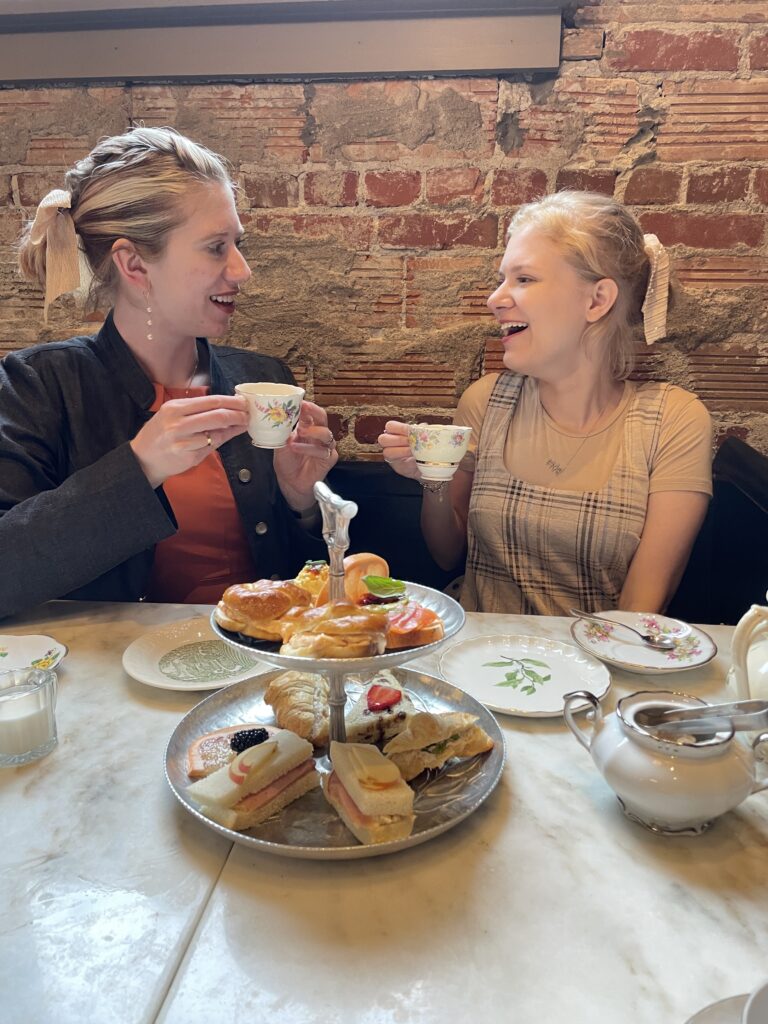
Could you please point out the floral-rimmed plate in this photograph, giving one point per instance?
(613, 645)
(523, 675)
(34, 651)
(188, 656)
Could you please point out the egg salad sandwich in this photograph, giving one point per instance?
(258, 782)
(428, 741)
(368, 793)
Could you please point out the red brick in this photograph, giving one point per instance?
(33, 186)
(655, 50)
(709, 120)
(761, 185)
(587, 180)
(421, 231)
(338, 425)
(582, 44)
(758, 52)
(649, 185)
(702, 231)
(723, 184)
(392, 188)
(513, 187)
(356, 232)
(331, 188)
(368, 428)
(622, 12)
(446, 184)
(271, 190)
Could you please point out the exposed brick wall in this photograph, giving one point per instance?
(375, 211)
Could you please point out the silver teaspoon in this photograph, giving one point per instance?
(660, 643)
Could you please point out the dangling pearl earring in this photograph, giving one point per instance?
(149, 315)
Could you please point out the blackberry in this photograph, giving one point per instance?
(245, 738)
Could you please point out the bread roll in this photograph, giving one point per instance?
(355, 568)
(255, 609)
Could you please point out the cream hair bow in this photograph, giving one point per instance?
(53, 222)
(657, 293)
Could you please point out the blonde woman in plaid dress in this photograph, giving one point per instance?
(582, 488)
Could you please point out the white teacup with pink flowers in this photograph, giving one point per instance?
(273, 412)
(438, 448)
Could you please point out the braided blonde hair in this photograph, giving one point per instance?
(599, 238)
(134, 186)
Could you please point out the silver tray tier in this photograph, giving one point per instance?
(450, 612)
(309, 828)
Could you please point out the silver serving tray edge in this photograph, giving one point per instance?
(309, 828)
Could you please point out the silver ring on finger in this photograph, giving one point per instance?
(208, 440)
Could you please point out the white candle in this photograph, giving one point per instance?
(26, 722)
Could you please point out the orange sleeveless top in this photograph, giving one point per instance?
(209, 552)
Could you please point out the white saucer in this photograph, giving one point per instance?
(725, 1011)
(616, 646)
(523, 675)
(188, 656)
(20, 652)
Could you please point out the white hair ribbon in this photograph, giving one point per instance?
(657, 292)
(53, 222)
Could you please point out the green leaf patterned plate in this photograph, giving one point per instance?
(188, 656)
(522, 675)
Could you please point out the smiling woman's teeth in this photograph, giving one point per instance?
(515, 328)
(225, 300)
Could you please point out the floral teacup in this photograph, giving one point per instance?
(438, 448)
(273, 410)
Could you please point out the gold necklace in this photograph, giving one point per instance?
(557, 468)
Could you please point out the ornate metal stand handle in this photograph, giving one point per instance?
(337, 514)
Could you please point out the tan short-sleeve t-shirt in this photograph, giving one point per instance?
(540, 452)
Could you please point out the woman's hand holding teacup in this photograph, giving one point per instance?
(306, 458)
(184, 431)
(396, 450)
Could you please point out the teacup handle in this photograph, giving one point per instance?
(762, 784)
(584, 738)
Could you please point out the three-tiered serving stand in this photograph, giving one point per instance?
(337, 515)
(308, 828)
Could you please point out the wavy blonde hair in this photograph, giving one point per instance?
(135, 186)
(599, 238)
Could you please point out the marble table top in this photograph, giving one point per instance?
(546, 905)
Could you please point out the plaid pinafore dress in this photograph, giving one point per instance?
(537, 550)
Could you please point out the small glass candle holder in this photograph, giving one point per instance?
(27, 715)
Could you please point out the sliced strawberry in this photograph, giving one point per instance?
(381, 698)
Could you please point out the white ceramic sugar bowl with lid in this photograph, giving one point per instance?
(673, 784)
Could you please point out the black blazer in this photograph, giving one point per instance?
(78, 518)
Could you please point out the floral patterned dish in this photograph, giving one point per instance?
(615, 646)
(188, 656)
(34, 651)
(522, 675)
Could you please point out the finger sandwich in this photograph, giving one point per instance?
(428, 741)
(258, 782)
(368, 793)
